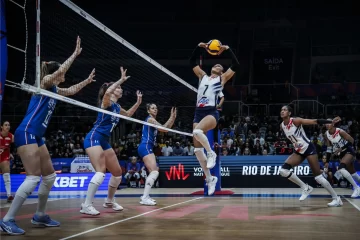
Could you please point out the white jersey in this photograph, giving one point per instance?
(296, 135)
(336, 140)
(209, 89)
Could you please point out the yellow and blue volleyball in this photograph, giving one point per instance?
(213, 46)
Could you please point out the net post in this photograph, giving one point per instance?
(37, 77)
(214, 138)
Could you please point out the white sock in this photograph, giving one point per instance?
(113, 185)
(345, 173)
(25, 189)
(150, 182)
(95, 182)
(356, 177)
(201, 157)
(201, 137)
(43, 192)
(321, 180)
(7, 182)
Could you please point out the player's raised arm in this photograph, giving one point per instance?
(58, 76)
(77, 87)
(193, 60)
(303, 121)
(169, 122)
(106, 99)
(133, 109)
(234, 65)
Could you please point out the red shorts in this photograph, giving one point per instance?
(5, 155)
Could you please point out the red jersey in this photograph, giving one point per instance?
(5, 142)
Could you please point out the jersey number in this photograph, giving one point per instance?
(292, 138)
(113, 126)
(206, 88)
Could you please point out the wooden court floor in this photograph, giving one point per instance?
(269, 214)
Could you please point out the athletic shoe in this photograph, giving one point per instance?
(88, 209)
(44, 220)
(211, 185)
(10, 227)
(147, 201)
(306, 192)
(114, 205)
(211, 160)
(336, 202)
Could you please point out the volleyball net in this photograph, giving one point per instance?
(51, 36)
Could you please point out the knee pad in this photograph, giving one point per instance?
(49, 179)
(152, 178)
(285, 170)
(98, 178)
(342, 165)
(198, 150)
(115, 181)
(197, 132)
(28, 186)
(345, 173)
(6, 177)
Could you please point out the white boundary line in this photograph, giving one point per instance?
(350, 201)
(108, 31)
(127, 219)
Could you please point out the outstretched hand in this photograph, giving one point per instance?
(78, 48)
(203, 45)
(91, 79)
(223, 48)
(123, 74)
(173, 112)
(139, 96)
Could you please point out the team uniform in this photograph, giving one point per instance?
(208, 93)
(5, 142)
(148, 140)
(104, 125)
(38, 115)
(302, 145)
(340, 143)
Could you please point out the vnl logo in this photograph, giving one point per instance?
(176, 173)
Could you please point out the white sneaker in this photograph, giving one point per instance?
(306, 193)
(148, 197)
(211, 185)
(89, 209)
(336, 202)
(114, 205)
(211, 160)
(147, 201)
(356, 193)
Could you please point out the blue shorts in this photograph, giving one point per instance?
(145, 149)
(347, 150)
(93, 139)
(202, 113)
(311, 150)
(22, 138)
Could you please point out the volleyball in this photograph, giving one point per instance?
(213, 47)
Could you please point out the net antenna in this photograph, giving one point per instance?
(101, 26)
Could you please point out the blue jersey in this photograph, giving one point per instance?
(148, 134)
(38, 114)
(105, 123)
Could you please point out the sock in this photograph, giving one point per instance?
(201, 157)
(44, 190)
(201, 137)
(7, 181)
(293, 177)
(94, 184)
(345, 173)
(356, 177)
(321, 180)
(25, 189)
(113, 185)
(150, 182)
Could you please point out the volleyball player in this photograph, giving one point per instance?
(6, 139)
(146, 146)
(343, 143)
(30, 145)
(206, 115)
(304, 149)
(97, 146)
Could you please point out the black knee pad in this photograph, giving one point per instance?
(342, 165)
(286, 166)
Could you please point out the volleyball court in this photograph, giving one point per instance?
(249, 213)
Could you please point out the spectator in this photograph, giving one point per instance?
(189, 150)
(178, 150)
(78, 150)
(167, 150)
(133, 172)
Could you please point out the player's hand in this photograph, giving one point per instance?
(78, 48)
(139, 96)
(223, 48)
(173, 112)
(91, 79)
(123, 74)
(203, 45)
(336, 120)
